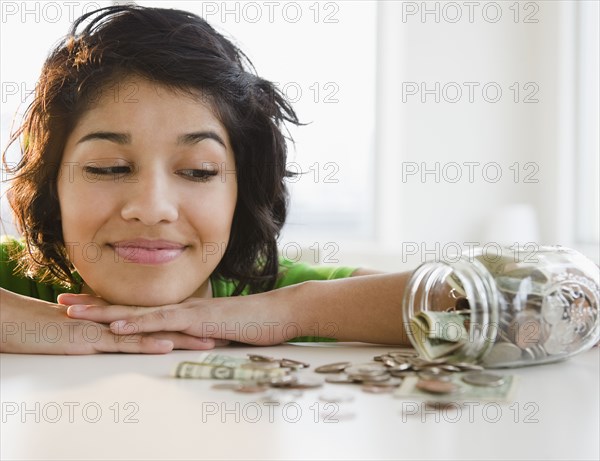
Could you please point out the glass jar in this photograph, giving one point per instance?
(504, 306)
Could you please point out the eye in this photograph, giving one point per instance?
(198, 175)
(108, 171)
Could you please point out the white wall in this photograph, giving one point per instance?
(532, 139)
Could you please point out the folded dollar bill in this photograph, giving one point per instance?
(197, 370)
(438, 334)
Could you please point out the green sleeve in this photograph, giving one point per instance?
(290, 273)
(12, 280)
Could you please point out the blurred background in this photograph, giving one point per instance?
(432, 126)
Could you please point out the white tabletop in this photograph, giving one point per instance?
(128, 407)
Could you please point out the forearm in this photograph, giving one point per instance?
(364, 309)
(19, 331)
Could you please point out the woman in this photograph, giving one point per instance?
(152, 189)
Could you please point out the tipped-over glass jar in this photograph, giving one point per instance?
(504, 306)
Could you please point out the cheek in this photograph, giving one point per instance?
(80, 208)
(211, 214)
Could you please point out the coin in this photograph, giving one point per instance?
(527, 329)
(390, 383)
(401, 374)
(374, 389)
(553, 347)
(295, 364)
(465, 366)
(388, 361)
(281, 381)
(401, 367)
(406, 353)
(483, 379)
(305, 383)
(537, 351)
(339, 379)
(503, 353)
(370, 379)
(450, 368)
(429, 375)
(332, 367)
(261, 358)
(366, 369)
(436, 386)
(251, 388)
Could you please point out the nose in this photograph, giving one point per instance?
(147, 199)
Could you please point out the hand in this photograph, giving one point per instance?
(236, 318)
(105, 314)
(32, 326)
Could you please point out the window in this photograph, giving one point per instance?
(587, 230)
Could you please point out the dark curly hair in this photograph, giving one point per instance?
(181, 51)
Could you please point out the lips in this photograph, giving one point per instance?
(143, 251)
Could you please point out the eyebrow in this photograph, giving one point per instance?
(125, 138)
(119, 138)
(193, 138)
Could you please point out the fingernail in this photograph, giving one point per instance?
(77, 308)
(165, 343)
(117, 325)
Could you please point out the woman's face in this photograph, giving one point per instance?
(147, 191)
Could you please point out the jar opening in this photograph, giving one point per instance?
(464, 293)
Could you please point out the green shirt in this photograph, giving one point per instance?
(290, 273)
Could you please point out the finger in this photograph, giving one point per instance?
(134, 344)
(157, 320)
(183, 341)
(68, 299)
(91, 338)
(104, 314)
